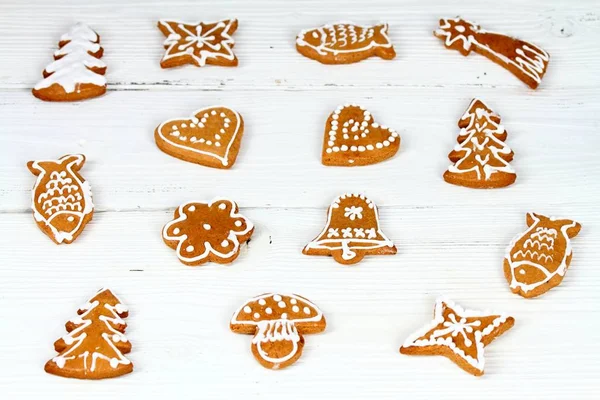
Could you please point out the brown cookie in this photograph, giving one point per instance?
(198, 44)
(525, 60)
(277, 322)
(538, 259)
(211, 137)
(77, 72)
(458, 334)
(207, 232)
(353, 138)
(351, 231)
(481, 158)
(95, 345)
(345, 43)
(61, 198)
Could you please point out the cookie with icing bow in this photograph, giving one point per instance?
(212, 137)
(525, 60)
(351, 232)
(278, 323)
(345, 43)
(537, 260)
(207, 232)
(353, 138)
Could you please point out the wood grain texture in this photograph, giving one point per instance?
(450, 240)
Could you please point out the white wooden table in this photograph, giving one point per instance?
(450, 239)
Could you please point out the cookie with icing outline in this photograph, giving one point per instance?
(211, 137)
(345, 43)
(351, 232)
(278, 323)
(207, 232)
(77, 72)
(95, 344)
(353, 138)
(538, 259)
(481, 158)
(198, 44)
(458, 334)
(526, 61)
(61, 198)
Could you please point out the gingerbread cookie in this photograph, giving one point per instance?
(525, 60)
(277, 322)
(77, 72)
(207, 232)
(458, 334)
(351, 231)
(481, 158)
(352, 138)
(537, 260)
(345, 43)
(61, 198)
(199, 44)
(211, 137)
(95, 345)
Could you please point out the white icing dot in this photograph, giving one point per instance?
(175, 133)
(346, 136)
(386, 143)
(306, 310)
(203, 120)
(281, 304)
(391, 139)
(328, 151)
(356, 137)
(184, 125)
(344, 147)
(192, 208)
(202, 140)
(256, 315)
(344, 130)
(213, 112)
(227, 120)
(238, 223)
(174, 127)
(192, 125)
(226, 125)
(206, 226)
(295, 309)
(176, 231)
(284, 316)
(277, 297)
(217, 144)
(205, 115)
(262, 302)
(522, 271)
(336, 149)
(361, 148)
(193, 139)
(189, 249)
(375, 125)
(247, 310)
(224, 243)
(459, 28)
(330, 143)
(222, 206)
(379, 145)
(208, 142)
(293, 301)
(70, 219)
(269, 310)
(222, 115)
(217, 136)
(334, 123)
(370, 147)
(353, 148)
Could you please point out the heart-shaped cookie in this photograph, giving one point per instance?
(211, 137)
(353, 138)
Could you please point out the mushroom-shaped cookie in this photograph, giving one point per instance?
(277, 322)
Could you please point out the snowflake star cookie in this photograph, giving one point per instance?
(61, 198)
(537, 260)
(345, 43)
(77, 72)
(481, 158)
(95, 345)
(458, 334)
(278, 323)
(211, 137)
(353, 138)
(526, 61)
(203, 232)
(351, 231)
(199, 44)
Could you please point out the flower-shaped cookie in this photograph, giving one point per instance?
(203, 232)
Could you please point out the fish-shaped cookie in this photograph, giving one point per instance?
(345, 43)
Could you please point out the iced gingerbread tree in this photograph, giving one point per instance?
(95, 343)
(481, 158)
(77, 72)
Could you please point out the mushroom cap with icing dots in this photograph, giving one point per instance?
(271, 307)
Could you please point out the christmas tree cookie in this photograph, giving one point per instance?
(95, 345)
(77, 72)
(481, 158)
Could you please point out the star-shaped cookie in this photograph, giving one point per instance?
(199, 44)
(458, 334)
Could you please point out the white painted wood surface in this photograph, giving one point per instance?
(451, 240)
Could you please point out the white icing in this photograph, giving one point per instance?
(202, 40)
(73, 68)
(55, 186)
(532, 60)
(164, 136)
(457, 325)
(208, 249)
(334, 38)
